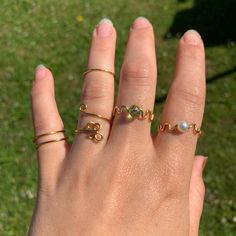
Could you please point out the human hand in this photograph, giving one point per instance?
(130, 182)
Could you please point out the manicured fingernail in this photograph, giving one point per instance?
(40, 72)
(192, 37)
(104, 28)
(204, 162)
(140, 22)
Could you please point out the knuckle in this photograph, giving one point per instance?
(94, 91)
(137, 73)
(46, 192)
(190, 94)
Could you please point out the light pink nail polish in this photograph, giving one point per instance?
(104, 28)
(192, 37)
(140, 22)
(40, 72)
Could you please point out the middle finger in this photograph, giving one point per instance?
(138, 78)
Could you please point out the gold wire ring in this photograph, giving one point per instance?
(181, 127)
(51, 141)
(83, 108)
(97, 69)
(46, 134)
(92, 130)
(134, 112)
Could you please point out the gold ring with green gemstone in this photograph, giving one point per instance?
(134, 112)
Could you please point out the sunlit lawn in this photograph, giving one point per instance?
(57, 33)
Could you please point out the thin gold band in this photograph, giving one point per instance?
(51, 141)
(46, 134)
(134, 112)
(83, 108)
(181, 127)
(97, 69)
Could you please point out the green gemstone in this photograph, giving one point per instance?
(134, 111)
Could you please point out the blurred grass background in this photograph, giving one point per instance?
(57, 33)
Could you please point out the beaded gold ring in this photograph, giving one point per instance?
(181, 127)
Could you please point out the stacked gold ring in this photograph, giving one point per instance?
(38, 137)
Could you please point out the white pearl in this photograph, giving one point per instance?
(183, 126)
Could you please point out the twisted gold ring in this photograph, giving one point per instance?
(181, 127)
(38, 144)
(83, 108)
(92, 129)
(97, 69)
(134, 112)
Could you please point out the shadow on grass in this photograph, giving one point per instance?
(209, 81)
(215, 20)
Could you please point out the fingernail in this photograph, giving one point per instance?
(104, 28)
(140, 22)
(192, 37)
(204, 162)
(40, 72)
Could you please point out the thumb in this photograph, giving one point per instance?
(196, 194)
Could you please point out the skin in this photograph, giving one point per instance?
(132, 182)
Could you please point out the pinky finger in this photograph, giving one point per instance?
(46, 119)
(196, 194)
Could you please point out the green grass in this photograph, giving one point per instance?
(47, 32)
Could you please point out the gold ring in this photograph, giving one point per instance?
(51, 141)
(92, 130)
(96, 69)
(134, 112)
(83, 108)
(49, 133)
(181, 127)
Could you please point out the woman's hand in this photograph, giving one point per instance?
(130, 182)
